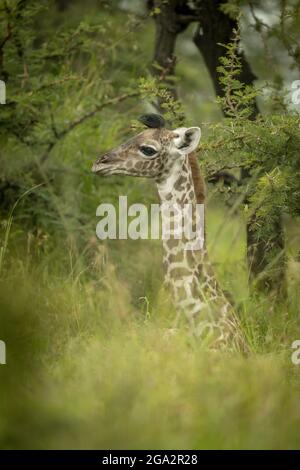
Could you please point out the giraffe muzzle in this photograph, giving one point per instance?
(104, 164)
(100, 168)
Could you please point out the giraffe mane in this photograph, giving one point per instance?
(198, 180)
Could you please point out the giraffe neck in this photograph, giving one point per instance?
(187, 269)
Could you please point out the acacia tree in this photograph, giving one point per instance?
(58, 84)
(217, 21)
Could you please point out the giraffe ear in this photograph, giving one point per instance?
(187, 138)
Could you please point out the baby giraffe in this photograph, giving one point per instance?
(167, 157)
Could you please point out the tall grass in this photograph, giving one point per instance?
(89, 365)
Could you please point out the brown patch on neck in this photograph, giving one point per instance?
(198, 180)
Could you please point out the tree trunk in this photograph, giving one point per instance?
(266, 258)
(216, 29)
(167, 27)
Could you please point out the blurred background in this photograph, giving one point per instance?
(82, 319)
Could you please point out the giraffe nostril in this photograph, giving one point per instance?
(103, 162)
(103, 159)
(107, 158)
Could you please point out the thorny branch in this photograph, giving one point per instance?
(83, 118)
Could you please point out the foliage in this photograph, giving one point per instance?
(266, 147)
(87, 370)
(238, 100)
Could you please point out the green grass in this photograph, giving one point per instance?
(89, 365)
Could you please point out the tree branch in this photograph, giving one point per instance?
(83, 118)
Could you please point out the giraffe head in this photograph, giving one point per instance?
(150, 154)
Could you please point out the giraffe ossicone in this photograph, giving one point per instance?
(168, 157)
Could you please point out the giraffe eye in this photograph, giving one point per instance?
(148, 151)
